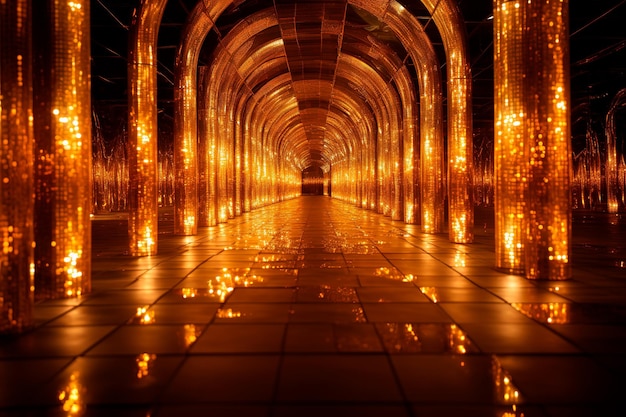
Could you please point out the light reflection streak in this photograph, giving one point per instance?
(144, 362)
(424, 338)
(228, 313)
(72, 397)
(145, 315)
(191, 334)
(505, 390)
(431, 293)
(549, 313)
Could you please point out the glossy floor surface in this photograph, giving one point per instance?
(313, 307)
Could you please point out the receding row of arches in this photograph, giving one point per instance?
(300, 85)
(294, 87)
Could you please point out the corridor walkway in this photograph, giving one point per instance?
(313, 307)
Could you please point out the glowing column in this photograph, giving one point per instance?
(511, 165)
(532, 147)
(203, 154)
(63, 134)
(451, 26)
(185, 157)
(613, 164)
(143, 206)
(548, 147)
(16, 167)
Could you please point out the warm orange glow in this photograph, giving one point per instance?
(142, 131)
(549, 143)
(549, 313)
(191, 334)
(64, 145)
(72, 397)
(431, 293)
(506, 391)
(16, 168)
(145, 315)
(144, 361)
(532, 144)
(511, 165)
(451, 26)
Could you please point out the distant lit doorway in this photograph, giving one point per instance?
(313, 181)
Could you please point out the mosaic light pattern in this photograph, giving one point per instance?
(549, 146)
(16, 168)
(63, 125)
(143, 203)
(451, 25)
(511, 165)
(532, 146)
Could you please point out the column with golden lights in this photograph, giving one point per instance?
(510, 113)
(613, 163)
(410, 32)
(143, 206)
(548, 146)
(16, 167)
(409, 154)
(203, 151)
(63, 125)
(451, 26)
(200, 21)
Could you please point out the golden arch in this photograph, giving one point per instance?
(402, 23)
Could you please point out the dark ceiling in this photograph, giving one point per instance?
(597, 49)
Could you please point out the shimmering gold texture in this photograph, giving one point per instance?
(72, 396)
(511, 165)
(451, 26)
(63, 253)
(16, 167)
(417, 43)
(532, 146)
(615, 169)
(143, 203)
(549, 141)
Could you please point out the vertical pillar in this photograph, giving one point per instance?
(16, 167)
(548, 148)
(63, 126)
(460, 164)
(510, 165)
(432, 163)
(451, 26)
(532, 145)
(143, 206)
(203, 154)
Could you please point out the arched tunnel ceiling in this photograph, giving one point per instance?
(314, 35)
(309, 42)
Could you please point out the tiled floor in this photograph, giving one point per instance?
(313, 307)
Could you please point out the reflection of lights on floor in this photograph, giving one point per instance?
(71, 397)
(431, 293)
(505, 390)
(144, 362)
(425, 338)
(191, 334)
(145, 315)
(228, 313)
(549, 313)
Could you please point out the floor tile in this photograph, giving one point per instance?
(240, 338)
(405, 312)
(337, 378)
(445, 379)
(323, 309)
(152, 338)
(224, 378)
